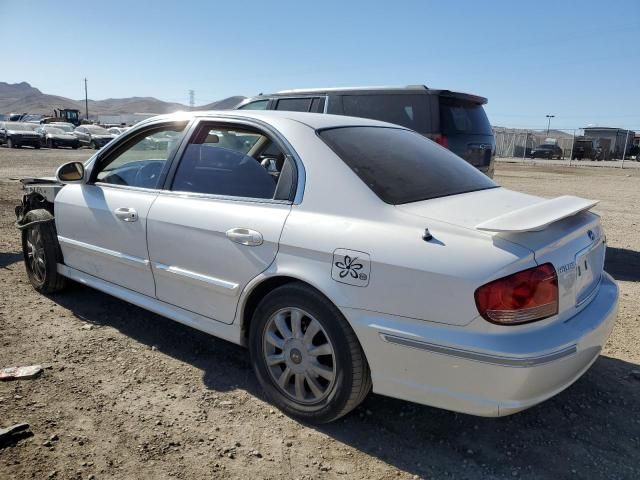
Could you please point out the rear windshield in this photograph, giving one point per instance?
(411, 111)
(459, 117)
(402, 166)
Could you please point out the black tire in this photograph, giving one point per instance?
(93, 145)
(42, 235)
(352, 376)
(37, 147)
(50, 143)
(10, 143)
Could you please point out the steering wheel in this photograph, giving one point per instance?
(148, 175)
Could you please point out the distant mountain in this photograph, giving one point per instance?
(22, 97)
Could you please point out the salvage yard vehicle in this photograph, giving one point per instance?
(52, 136)
(547, 150)
(93, 136)
(18, 134)
(455, 120)
(347, 254)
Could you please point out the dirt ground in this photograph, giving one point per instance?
(130, 395)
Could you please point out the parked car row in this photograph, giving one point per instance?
(55, 135)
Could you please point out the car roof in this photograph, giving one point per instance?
(377, 90)
(315, 121)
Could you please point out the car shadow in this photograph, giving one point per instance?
(9, 258)
(623, 264)
(591, 430)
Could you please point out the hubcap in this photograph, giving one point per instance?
(299, 355)
(35, 254)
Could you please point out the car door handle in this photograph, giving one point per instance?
(126, 214)
(244, 236)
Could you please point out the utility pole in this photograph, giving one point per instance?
(624, 151)
(86, 100)
(573, 142)
(192, 99)
(549, 117)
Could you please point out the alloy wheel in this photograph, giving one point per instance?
(299, 355)
(35, 254)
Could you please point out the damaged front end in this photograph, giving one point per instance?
(39, 194)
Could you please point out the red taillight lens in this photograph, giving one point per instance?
(442, 140)
(523, 297)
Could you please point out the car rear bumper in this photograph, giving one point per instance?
(483, 373)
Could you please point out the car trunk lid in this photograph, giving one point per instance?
(560, 231)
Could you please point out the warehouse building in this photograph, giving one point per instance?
(611, 140)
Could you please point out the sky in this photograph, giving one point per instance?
(579, 61)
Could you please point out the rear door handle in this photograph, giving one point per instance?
(245, 236)
(126, 214)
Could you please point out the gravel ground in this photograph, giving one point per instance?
(130, 395)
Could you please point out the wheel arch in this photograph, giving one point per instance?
(261, 288)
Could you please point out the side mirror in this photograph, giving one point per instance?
(72, 172)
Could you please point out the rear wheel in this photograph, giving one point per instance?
(10, 143)
(41, 252)
(50, 143)
(93, 145)
(306, 356)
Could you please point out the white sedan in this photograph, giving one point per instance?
(347, 254)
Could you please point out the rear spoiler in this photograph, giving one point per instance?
(538, 216)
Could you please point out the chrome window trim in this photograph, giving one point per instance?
(260, 125)
(213, 196)
(125, 187)
(517, 362)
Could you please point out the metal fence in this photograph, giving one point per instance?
(519, 143)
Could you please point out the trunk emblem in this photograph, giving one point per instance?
(591, 235)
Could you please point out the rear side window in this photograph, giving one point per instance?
(411, 111)
(459, 117)
(294, 104)
(401, 166)
(317, 105)
(257, 105)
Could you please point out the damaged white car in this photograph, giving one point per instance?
(347, 254)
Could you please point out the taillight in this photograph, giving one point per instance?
(442, 140)
(523, 297)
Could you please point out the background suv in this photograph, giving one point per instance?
(455, 120)
(547, 150)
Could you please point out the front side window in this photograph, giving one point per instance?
(234, 161)
(142, 158)
(402, 166)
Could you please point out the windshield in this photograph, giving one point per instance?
(458, 116)
(402, 166)
(96, 130)
(21, 126)
(411, 111)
